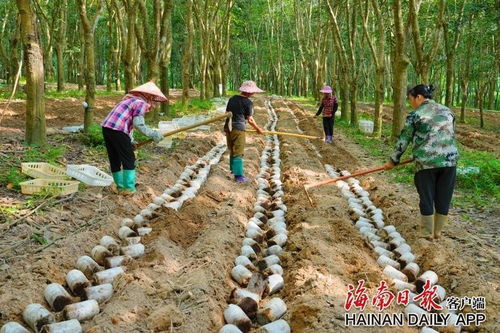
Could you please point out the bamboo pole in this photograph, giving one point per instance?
(295, 135)
(186, 128)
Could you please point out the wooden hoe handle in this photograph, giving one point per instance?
(182, 129)
(359, 173)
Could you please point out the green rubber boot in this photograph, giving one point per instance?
(128, 182)
(238, 166)
(231, 164)
(118, 178)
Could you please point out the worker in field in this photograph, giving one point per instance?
(328, 107)
(242, 108)
(117, 130)
(430, 128)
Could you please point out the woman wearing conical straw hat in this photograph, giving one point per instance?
(242, 108)
(118, 127)
(328, 107)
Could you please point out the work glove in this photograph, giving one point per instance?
(132, 139)
(156, 136)
(141, 126)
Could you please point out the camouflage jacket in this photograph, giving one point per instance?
(431, 129)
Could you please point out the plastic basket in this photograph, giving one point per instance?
(56, 186)
(43, 170)
(89, 175)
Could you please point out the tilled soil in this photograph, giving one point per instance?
(183, 282)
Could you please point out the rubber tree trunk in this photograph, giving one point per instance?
(33, 59)
(88, 38)
(165, 87)
(166, 38)
(60, 38)
(344, 97)
(400, 65)
(353, 95)
(60, 68)
(128, 59)
(187, 55)
(81, 61)
(379, 102)
(449, 80)
(481, 92)
(14, 61)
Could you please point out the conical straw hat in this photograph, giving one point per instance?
(326, 90)
(250, 87)
(151, 89)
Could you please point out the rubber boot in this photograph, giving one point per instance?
(439, 222)
(117, 186)
(128, 182)
(427, 226)
(238, 170)
(231, 164)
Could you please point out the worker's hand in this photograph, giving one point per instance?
(259, 130)
(156, 136)
(389, 165)
(134, 146)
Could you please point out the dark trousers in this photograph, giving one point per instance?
(328, 125)
(119, 147)
(435, 189)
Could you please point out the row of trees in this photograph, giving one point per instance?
(367, 49)
(372, 50)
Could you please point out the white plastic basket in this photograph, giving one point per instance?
(56, 186)
(89, 175)
(42, 170)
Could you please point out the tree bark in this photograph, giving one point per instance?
(165, 51)
(16, 38)
(88, 27)
(128, 35)
(61, 13)
(33, 59)
(424, 58)
(450, 49)
(347, 62)
(47, 48)
(379, 61)
(400, 65)
(481, 90)
(187, 54)
(81, 58)
(464, 81)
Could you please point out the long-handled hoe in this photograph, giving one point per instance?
(359, 173)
